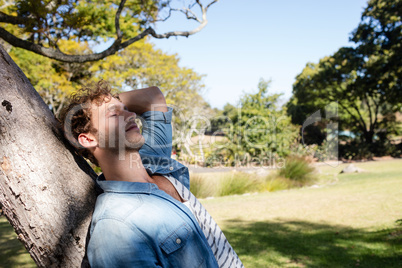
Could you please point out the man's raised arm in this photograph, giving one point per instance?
(143, 100)
(150, 105)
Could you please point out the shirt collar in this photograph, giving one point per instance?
(109, 186)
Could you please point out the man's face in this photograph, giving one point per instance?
(117, 130)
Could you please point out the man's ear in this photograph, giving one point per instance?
(87, 140)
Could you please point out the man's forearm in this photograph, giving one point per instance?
(143, 100)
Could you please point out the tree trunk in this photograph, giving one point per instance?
(46, 189)
(368, 136)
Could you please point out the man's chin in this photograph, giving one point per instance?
(135, 143)
(129, 144)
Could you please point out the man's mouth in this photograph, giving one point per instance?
(131, 126)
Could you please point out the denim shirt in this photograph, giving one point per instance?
(156, 152)
(136, 224)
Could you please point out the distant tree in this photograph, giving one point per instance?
(265, 127)
(364, 80)
(40, 26)
(379, 42)
(257, 128)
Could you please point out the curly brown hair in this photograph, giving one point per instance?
(76, 117)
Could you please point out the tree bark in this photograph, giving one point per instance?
(46, 189)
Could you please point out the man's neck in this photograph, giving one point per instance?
(131, 169)
(128, 169)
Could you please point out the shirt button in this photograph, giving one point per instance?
(178, 241)
(171, 168)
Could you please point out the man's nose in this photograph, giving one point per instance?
(128, 116)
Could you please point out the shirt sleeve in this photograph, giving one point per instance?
(118, 247)
(157, 131)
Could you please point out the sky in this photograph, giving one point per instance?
(245, 41)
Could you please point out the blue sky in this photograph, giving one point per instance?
(270, 39)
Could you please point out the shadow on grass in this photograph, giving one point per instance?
(287, 243)
(281, 243)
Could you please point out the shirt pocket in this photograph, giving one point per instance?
(176, 240)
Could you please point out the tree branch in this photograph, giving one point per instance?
(210, 4)
(199, 3)
(178, 33)
(165, 19)
(352, 115)
(202, 22)
(58, 55)
(187, 12)
(360, 116)
(55, 53)
(12, 19)
(117, 20)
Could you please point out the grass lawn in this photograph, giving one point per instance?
(12, 252)
(347, 220)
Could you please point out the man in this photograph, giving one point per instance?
(146, 216)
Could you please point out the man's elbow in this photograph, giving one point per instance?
(158, 95)
(158, 99)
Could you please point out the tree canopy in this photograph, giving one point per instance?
(365, 79)
(41, 26)
(140, 65)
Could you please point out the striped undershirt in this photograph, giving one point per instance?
(223, 251)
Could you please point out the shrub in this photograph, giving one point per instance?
(355, 150)
(276, 183)
(201, 187)
(298, 170)
(237, 183)
(296, 173)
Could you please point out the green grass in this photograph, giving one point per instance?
(295, 243)
(12, 252)
(348, 221)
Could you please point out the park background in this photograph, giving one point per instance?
(273, 101)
